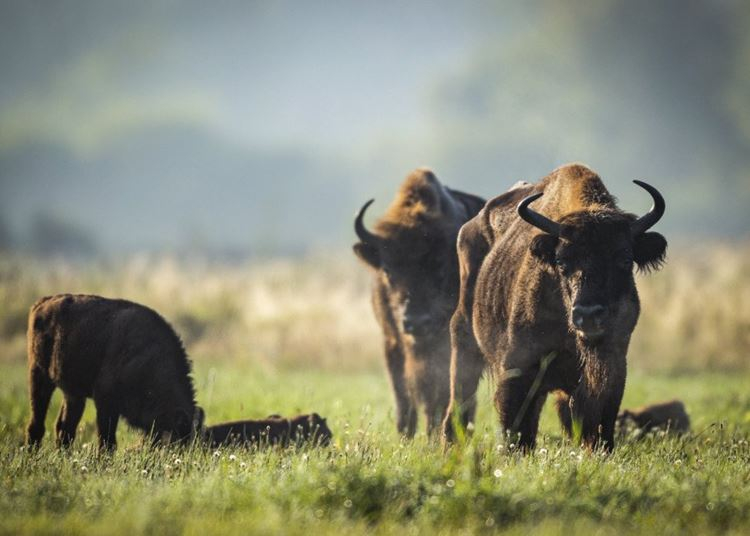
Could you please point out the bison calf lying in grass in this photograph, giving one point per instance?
(122, 354)
(273, 430)
(668, 416)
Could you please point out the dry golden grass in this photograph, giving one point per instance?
(315, 312)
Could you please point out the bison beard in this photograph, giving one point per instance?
(415, 286)
(567, 291)
(123, 355)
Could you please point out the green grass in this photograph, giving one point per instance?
(370, 480)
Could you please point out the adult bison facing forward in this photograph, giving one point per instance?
(549, 302)
(123, 355)
(413, 253)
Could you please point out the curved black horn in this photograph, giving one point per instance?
(536, 219)
(648, 220)
(359, 226)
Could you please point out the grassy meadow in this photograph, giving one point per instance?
(298, 336)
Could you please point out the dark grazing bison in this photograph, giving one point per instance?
(667, 416)
(274, 430)
(122, 354)
(548, 301)
(413, 254)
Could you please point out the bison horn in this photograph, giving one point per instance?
(359, 226)
(536, 219)
(648, 220)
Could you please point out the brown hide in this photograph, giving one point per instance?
(668, 416)
(122, 354)
(412, 253)
(273, 430)
(521, 301)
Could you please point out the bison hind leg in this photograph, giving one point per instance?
(41, 388)
(107, 417)
(407, 418)
(68, 419)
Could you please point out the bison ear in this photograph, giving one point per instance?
(368, 253)
(543, 247)
(649, 251)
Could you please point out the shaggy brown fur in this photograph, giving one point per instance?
(668, 416)
(122, 354)
(519, 287)
(273, 430)
(412, 253)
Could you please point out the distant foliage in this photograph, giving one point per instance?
(316, 312)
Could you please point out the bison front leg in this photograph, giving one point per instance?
(597, 400)
(40, 393)
(519, 403)
(68, 419)
(595, 418)
(406, 412)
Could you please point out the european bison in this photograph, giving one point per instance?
(122, 354)
(413, 254)
(549, 303)
(273, 430)
(668, 416)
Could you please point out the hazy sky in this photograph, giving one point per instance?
(263, 125)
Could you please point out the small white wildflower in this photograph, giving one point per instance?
(243, 465)
(450, 483)
(348, 503)
(84, 469)
(217, 454)
(500, 447)
(542, 452)
(678, 462)
(144, 472)
(177, 461)
(232, 457)
(512, 446)
(579, 457)
(498, 473)
(470, 427)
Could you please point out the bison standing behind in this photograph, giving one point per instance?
(123, 355)
(549, 303)
(413, 254)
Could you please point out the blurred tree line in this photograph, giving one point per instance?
(637, 89)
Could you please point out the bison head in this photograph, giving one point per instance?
(418, 266)
(593, 254)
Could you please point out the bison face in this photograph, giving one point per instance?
(594, 263)
(419, 268)
(421, 280)
(593, 255)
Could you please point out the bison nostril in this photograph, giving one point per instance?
(584, 314)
